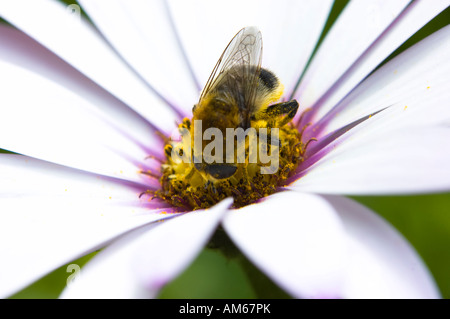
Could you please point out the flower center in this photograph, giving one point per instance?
(197, 175)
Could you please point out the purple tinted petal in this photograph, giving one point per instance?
(324, 144)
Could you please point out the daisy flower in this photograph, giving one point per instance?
(87, 104)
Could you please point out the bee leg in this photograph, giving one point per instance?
(288, 109)
(191, 173)
(244, 170)
(207, 184)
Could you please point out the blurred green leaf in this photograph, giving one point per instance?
(211, 276)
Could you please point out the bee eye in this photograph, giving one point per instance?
(220, 171)
(268, 79)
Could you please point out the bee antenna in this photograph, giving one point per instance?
(313, 139)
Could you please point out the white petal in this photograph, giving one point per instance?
(402, 149)
(141, 263)
(51, 215)
(394, 163)
(410, 21)
(45, 120)
(76, 42)
(19, 49)
(420, 73)
(141, 31)
(25, 176)
(290, 30)
(382, 263)
(358, 26)
(296, 239)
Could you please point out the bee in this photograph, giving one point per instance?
(240, 94)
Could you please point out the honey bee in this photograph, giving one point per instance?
(240, 94)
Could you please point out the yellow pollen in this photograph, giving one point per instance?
(182, 185)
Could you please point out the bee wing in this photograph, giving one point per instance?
(241, 62)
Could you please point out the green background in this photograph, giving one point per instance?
(423, 220)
